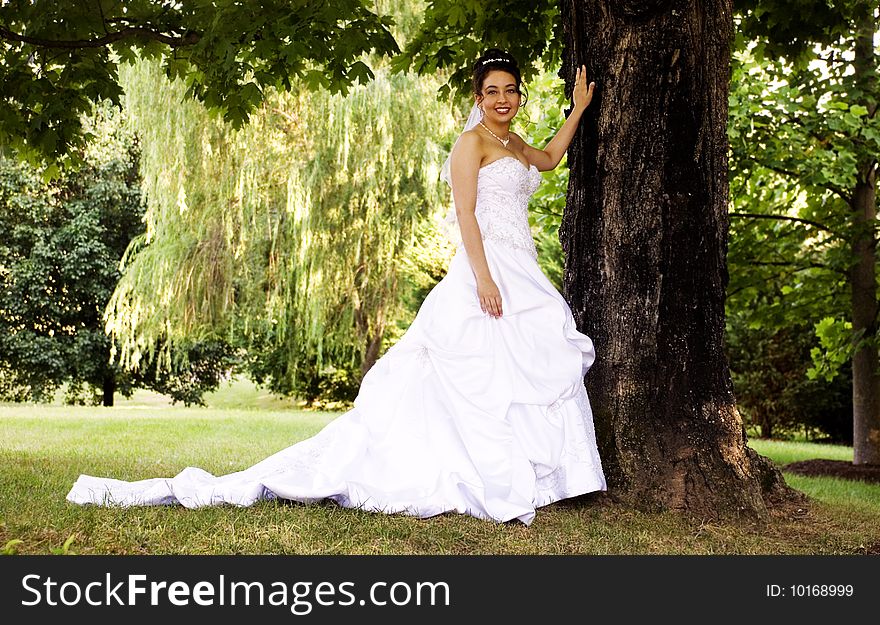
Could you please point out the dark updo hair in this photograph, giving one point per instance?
(492, 59)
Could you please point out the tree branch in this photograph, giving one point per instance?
(807, 222)
(783, 276)
(823, 140)
(799, 266)
(542, 211)
(290, 118)
(103, 19)
(188, 39)
(796, 176)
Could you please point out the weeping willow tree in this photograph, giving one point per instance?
(286, 237)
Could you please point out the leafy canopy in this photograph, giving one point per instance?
(57, 59)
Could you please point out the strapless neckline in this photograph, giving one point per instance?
(497, 160)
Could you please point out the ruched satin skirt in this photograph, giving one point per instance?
(465, 413)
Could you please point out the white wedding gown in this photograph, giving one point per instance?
(465, 413)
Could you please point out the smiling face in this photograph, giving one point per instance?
(500, 96)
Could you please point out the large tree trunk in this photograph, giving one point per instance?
(371, 354)
(863, 279)
(374, 330)
(645, 241)
(863, 283)
(109, 388)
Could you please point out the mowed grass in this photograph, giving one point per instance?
(845, 496)
(43, 448)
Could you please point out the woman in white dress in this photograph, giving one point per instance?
(480, 408)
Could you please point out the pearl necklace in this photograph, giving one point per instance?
(504, 142)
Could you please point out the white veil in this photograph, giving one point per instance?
(473, 119)
(450, 223)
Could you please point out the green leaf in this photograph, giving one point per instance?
(252, 94)
(360, 72)
(50, 173)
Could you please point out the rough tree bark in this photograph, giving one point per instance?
(645, 241)
(863, 279)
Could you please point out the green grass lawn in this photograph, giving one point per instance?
(45, 447)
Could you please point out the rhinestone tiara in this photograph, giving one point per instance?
(493, 60)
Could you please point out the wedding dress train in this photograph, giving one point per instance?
(466, 412)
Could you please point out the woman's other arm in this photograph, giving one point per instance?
(464, 166)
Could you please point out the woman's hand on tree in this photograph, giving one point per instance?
(582, 94)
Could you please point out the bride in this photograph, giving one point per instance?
(480, 408)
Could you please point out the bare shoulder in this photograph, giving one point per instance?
(469, 145)
(470, 141)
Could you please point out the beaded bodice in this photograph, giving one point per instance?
(504, 187)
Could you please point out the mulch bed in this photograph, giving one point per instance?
(836, 468)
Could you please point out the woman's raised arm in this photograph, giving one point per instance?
(549, 157)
